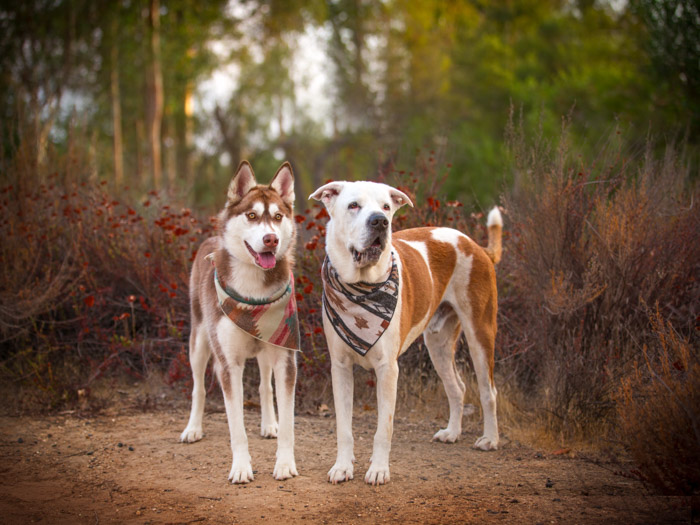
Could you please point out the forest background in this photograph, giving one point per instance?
(122, 123)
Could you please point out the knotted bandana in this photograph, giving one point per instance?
(359, 312)
(273, 320)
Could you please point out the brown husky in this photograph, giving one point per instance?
(242, 306)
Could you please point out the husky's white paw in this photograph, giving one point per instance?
(377, 475)
(191, 434)
(269, 430)
(446, 436)
(340, 472)
(487, 443)
(241, 472)
(285, 468)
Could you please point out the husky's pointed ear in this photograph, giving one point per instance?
(242, 183)
(328, 192)
(399, 198)
(283, 183)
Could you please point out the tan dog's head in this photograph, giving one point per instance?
(257, 222)
(359, 231)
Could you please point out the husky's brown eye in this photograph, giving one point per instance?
(353, 206)
(252, 216)
(278, 216)
(387, 207)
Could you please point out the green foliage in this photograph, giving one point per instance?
(403, 76)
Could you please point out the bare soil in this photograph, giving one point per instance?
(125, 465)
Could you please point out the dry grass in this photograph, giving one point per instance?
(592, 243)
(659, 412)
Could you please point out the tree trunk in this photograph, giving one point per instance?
(185, 132)
(155, 95)
(116, 109)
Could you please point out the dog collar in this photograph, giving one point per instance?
(359, 312)
(273, 320)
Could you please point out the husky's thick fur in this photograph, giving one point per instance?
(253, 254)
(446, 284)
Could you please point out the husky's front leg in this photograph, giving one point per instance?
(231, 379)
(341, 374)
(387, 379)
(199, 357)
(268, 421)
(285, 369)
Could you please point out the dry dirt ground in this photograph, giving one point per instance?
(125, 465)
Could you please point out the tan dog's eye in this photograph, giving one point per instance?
(252, 216)
(353, 206)
(278, 217)
(387, 207)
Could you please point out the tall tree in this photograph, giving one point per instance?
(155, 94)
(115, 95)
(672, 39)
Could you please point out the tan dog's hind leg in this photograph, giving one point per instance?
(441, 338)
(199, 357)
(481, 343)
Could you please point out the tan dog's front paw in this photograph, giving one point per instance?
(285, 469)
(486, 443)
(191, 434)
(377, 475)
(241, 472)
(446, 436)
(340, 472)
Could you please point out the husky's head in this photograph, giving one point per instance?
(360, 227)
(258, 221)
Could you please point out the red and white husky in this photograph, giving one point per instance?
(253, 256)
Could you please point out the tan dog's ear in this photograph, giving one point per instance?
(399, 198)
(283, 183)
(328, 192)
(242, 182)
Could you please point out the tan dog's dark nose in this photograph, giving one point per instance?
(378, 221)
(271, 240)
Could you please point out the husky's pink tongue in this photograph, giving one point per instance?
(267, 260)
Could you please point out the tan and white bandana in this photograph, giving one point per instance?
(273, 320)
(359, 312)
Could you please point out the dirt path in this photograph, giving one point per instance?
(126, 466)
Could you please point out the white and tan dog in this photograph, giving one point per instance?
(252, 257)
(446, 284)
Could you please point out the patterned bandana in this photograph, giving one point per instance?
(273, 320)
(359, 312)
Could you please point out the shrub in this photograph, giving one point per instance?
(592, 243)
(659, 412)
(91, 284)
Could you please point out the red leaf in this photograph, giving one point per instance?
(89, 301)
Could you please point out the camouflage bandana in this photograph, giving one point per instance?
(273, 320)
(359, 312)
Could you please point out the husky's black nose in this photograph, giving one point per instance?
(378, 221)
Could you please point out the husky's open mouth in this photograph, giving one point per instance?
(265, 260)
(371, 254)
